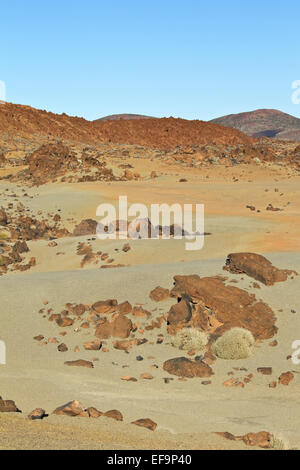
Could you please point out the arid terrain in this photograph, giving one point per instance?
(93, 323)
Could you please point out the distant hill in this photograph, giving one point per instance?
(264, 122)
(118, 117)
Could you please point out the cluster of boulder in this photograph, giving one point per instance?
(74, 409)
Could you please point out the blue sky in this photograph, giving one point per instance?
(186, 58)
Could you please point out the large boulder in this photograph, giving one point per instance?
(215, 307)
(257, 267)
(184, 367)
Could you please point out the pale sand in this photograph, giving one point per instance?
(36, 376)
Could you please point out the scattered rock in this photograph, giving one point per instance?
(286, 377)
(183, 367)
(80, 363)
(114, 414)
(256, 266)
(146, 423)
(38, 413)
(159, 294)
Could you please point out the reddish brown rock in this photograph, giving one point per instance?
(93, 412)
(286, 377)
(114, 414)
(120, 327)
(125, 308)
(62, 347)
(215, 307)
(86, 227)
(93, 345)
(257, 267)
(38, 413)
(105, 307)
(260, 439)
(64, 322)
(159, 294)
(39, 338)
(233, 383)
(265, 370)
(146, 423)
(73, 408)
(80, 363)
(8, 406)
(125, 345)
(183, 367)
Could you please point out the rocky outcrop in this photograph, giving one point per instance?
(213, 306)
(257, 267)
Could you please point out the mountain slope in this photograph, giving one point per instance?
(263, 122)
(165, 133)
(118, 117)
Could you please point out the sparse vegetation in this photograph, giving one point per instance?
(236, 343)
(190, 339)
(279, 442)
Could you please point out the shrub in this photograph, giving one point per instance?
(279, 442)
(236, 343)
(190, 339)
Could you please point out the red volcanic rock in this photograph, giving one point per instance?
(49, 161)
(8, 406)
(159, 294)
(125, 308)
(93, 412)
(80, 363)
(286, 378)
(105, 307)
(114, 414)
(93, 345)
(38, 413)
(215, 307)
(86, 227)
(73, 408)
(259, 439)
(265, 370)
(256, 266)
(183, 367)
(64, 322)
(146, 423)
(120, 327)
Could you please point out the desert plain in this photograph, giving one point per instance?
(77, 317)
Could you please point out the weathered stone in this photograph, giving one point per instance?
(114, 414)
(38, 413)
(146, 423)
(256, 266)
(286, 377)
(80, 363)
(183, 367)
(159, 294)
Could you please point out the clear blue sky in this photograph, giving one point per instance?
(190, 58)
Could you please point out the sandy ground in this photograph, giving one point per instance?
(36, 376)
